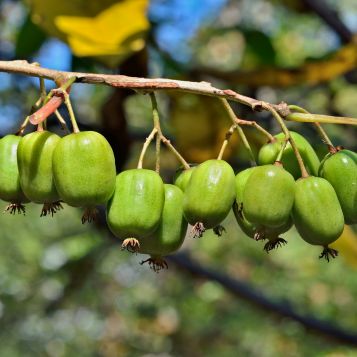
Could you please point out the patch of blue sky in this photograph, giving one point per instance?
(53, 54)
(5, 81)
(10, 117)
(178, 21)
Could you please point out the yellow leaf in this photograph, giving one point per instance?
(347, 246)
(113, 31)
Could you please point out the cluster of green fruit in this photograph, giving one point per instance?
(151, 217)
(267, 200)
(42, 167)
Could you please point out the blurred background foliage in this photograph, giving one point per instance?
(67, 289)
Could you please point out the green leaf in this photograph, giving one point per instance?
(29, 39)
(259, 45)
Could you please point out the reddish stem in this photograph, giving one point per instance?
(52, 104)
(44, 112)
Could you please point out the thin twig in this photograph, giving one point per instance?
(319, 118)
(240, 131)
(280, 120)
(266, 133)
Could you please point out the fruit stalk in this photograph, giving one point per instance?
(284, 128)
(318, 126)
(226, 140)
(179, 157)
(68, 103)
(156, 119)
(266, 133)
(22, 128)
(240, 131)
(280, 155)
(161, 138)
(62, 121)
(148, 140)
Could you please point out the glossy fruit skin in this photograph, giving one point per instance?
(34, 158)
(317, 213)
(340, 170)
(171, 232)
(182, 178)
(10, 189)
(269, 152)
(84, 169)
(135, 209)
(241, 180)
(210, 193)
(247, 227)
(268, 196)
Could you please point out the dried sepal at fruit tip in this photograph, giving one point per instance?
(274, 244)
(259, 235)
(51, 208)
(197, 230)
(219, 230)
(14, 208)
(328, 253)
(132, 245)
(156, 263)
(90, 214)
